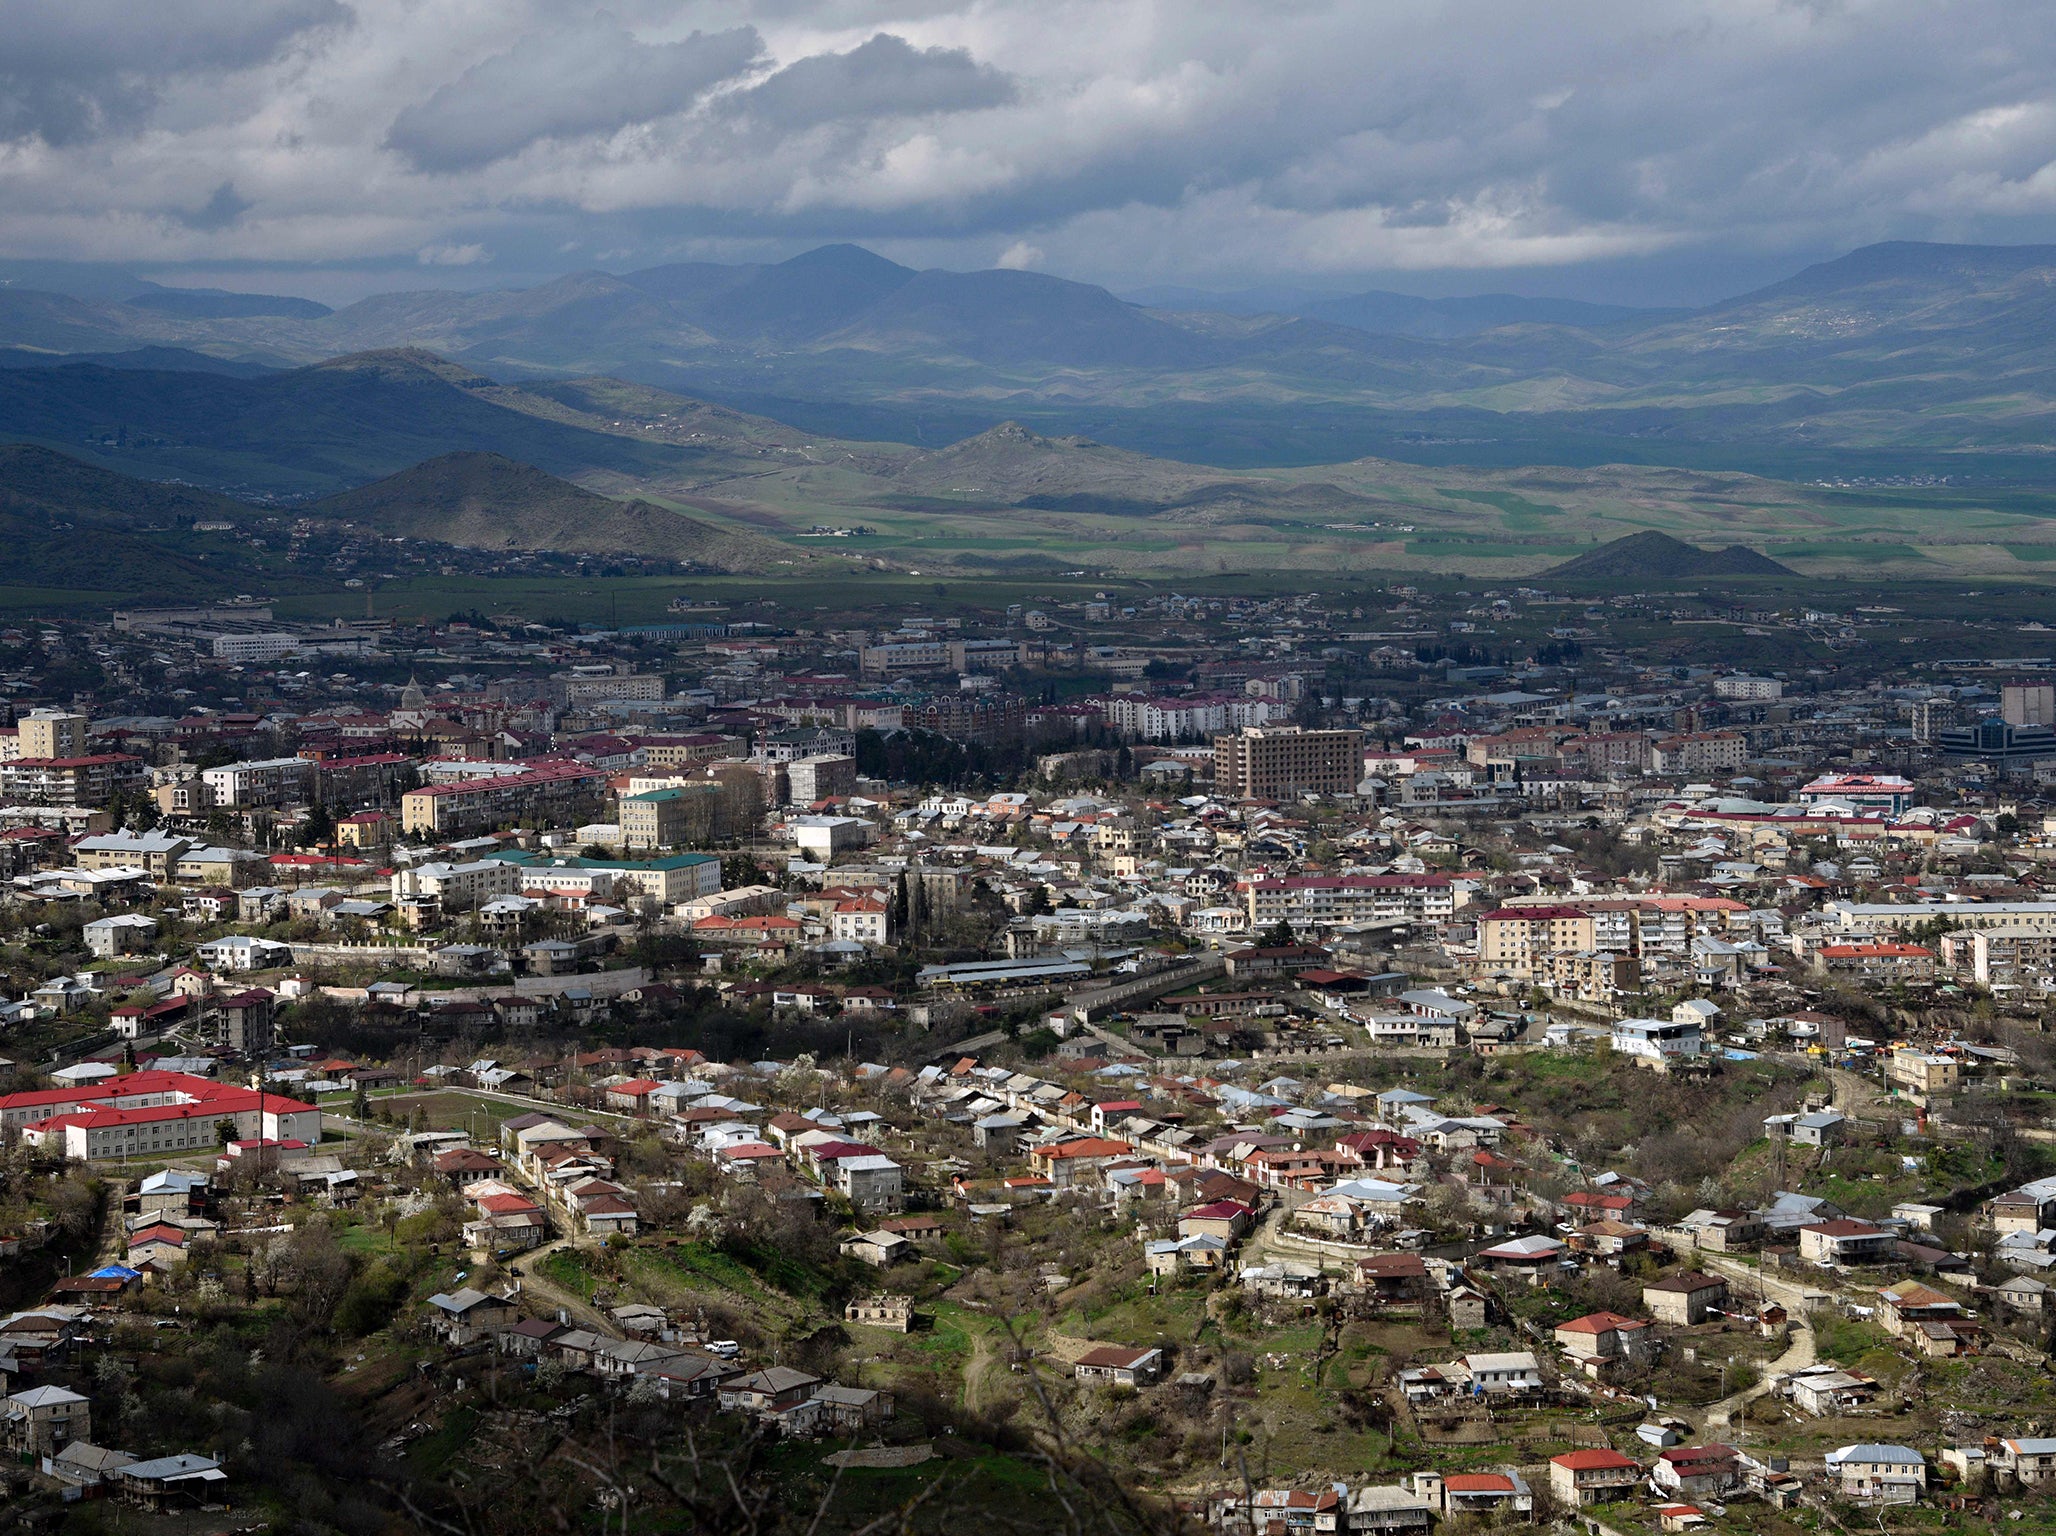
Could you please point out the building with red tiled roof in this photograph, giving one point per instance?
(1592, 1476)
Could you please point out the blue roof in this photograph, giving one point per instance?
(115, 1272)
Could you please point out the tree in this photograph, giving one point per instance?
(75, 1205)
(320, 1273)
(319, 829)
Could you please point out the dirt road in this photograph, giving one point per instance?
(538, 1287)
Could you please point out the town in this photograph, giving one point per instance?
(1275, 1065)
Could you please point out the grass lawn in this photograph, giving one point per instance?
(452, 1110)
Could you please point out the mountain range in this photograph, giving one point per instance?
(1903, 359)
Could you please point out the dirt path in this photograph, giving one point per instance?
(1799, 1353)
(539, 1287)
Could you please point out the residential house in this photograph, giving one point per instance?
(43, 1420)
(169, 1481)
(466, 1315)
(1685, 1299)
(1383, 1510)
(877, 1249)
(1698, 1471)
(1845, 1240)
(1592, 1476)
(771, 1390)
(1120, 1365)
(1600, 1342)
(1878, 1474)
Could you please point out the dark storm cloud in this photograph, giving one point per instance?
(74, 69)
(1239, 138)
(583, 80)
(223, 207)
(885, 77)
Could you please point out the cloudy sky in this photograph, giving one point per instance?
(1642, 150)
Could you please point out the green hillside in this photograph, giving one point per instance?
(486, 501)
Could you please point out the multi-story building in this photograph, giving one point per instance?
(664, 818)
(259, 785)
(2028, 703)
(456, 887)
(972, 716)
(1987, 955)
(1700, 752)
(1656, 1039)
(90, 781)
(1185, 716)
(153, 1114)
(1923, 1072)
(1931, 716)
(984, 655)
(677, 751)
(600, 688)
(52, 733)
(1346, 899)
(2018, 917)
(2011, 747)
(1520, 941)
(1751, 689)
(1591, 976)
(1273, 762)
(369, 782)
(155, 853)
(823, 776)
(558, 794)
(900, 658)
(1885, 793)
(246, 1021)
(667, 881)
(1611, 751)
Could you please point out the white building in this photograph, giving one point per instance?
(260, 784)
(823, 837)
(1657, 1039)
(459, 887)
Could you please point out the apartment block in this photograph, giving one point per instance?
(1275, 761)
(557, 794)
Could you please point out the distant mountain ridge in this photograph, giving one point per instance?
(1402, 314)
(1895, 359)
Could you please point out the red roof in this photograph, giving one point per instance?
(1091, 1146)
(1478, 1482)
(1600, 1322)
(1594, 1460)
(507, 1205)
(1220, 1210)
(1687, 1455)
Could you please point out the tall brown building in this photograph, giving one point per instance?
(1269, 762)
